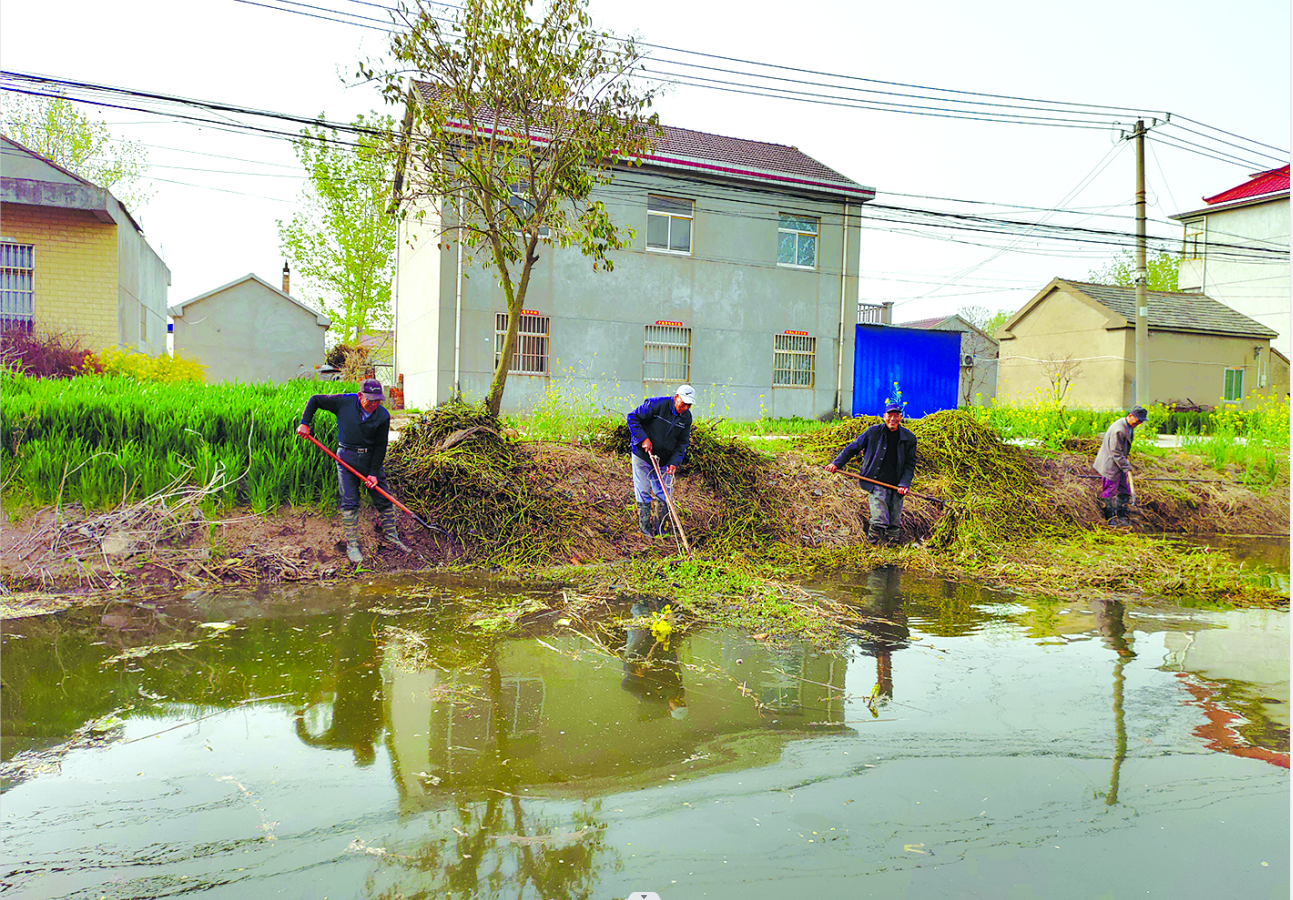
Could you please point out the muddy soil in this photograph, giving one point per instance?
(49, 558)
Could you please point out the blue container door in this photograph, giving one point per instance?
(921, 368)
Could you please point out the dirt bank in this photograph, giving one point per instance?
(582, 509)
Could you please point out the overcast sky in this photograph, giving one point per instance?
(1226, 65)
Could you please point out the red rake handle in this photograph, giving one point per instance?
(315, 441)
(892, 487)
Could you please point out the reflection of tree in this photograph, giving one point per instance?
(492, 845)
(356, 706)
(947, 609)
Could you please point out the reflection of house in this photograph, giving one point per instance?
(978, 357)
(73, 261)
(1084, 335)
(250, 331)
(1237, 250)
(555, 721)
(737, 281)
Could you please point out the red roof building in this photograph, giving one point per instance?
(1272, 181)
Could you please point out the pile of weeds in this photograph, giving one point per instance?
(730, 469)
(991, 492)
(453, 466)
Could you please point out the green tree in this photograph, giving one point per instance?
(56, 129)
(342, 240)
(1163, 268)
(517, 123)
(984, 319)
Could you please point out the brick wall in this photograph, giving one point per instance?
(75, 271)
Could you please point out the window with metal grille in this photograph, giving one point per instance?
(1234, 386)
(797, 242)
(669, 223)
(530, 357)
(17, 284)
(667, 354)
(794, 360)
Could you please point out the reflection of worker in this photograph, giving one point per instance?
(889, 455)
(356, 705)
(652, 672)
(888, 630)
(1109, 618)
(1114, 466)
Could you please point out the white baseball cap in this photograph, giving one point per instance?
(686, 393)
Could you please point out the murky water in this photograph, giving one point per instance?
(376, 743)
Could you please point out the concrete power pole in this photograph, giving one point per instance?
(1142, 275)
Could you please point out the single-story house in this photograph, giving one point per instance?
(73, 261)
(250, 331)
(978, 383)
(1236, 250)
(741, 279)
(1079, 340)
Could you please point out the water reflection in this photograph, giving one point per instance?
(1109, 617)
(344, 709)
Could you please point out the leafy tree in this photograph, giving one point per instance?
(342, 240)
(1163, 270)
(56, 129)
(984, 319)
(519, 121)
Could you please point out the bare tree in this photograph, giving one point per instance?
(1061, 372)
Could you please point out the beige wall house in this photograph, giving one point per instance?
(250, 331)
(73, 261)
(1236, 250)
(1081, 339)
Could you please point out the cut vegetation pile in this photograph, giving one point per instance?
(992, 491)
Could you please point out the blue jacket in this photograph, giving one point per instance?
(669, 430)
(871, 444)
(372, 433)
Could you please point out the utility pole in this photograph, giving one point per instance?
(1142, 275)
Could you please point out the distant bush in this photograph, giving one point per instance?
(45, 355)
(162, 368)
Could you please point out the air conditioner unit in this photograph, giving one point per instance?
(967, 361)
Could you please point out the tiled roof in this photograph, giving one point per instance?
(1197, 313)
(924, 323)
(732, 157)
(1271, 181)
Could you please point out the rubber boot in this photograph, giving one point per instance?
(660, 524)
(1107, 508)
(893, 535)
(874, 533)
(391, 533)
(350, 526)
(1119, 519)
(644, 519)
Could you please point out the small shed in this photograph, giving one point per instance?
(250, 331)
(1078, 341)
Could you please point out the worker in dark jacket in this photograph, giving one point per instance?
(660, 427)
(1117, 491)
(363, 427)
(889, 455)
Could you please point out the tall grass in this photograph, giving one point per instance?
(101, 440)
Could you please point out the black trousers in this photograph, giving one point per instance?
(351, 486)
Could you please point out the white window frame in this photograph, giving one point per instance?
(787, 349)
(671, 216)
(521, 199)
(1195, 243)
(17, 284)
(666, 353)
(1226, 383)
(533, 343)
(791, 224)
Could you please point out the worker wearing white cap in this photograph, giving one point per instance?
(660, 427)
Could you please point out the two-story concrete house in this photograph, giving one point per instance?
(73, 261)
(1236, 251)
(741, 280)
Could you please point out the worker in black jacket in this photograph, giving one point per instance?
(363, 427)
(889, 455)
(660, 427)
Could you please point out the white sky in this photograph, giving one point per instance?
(1224, 64)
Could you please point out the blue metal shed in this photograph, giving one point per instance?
(925, 366)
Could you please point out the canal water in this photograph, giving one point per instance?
(376, 741)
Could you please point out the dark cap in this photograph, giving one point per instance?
(372, 389)
(893, 406)
(1139, 412)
